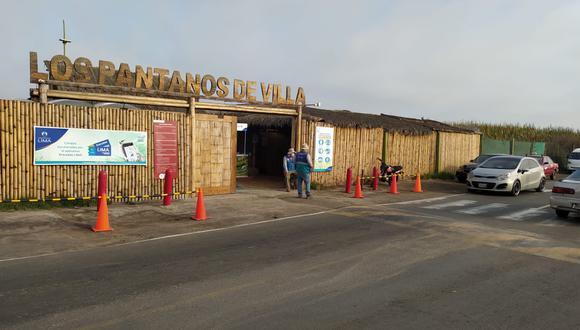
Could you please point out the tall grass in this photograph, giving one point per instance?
(559, 141)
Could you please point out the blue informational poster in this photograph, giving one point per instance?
(76, 146)
(324, 150)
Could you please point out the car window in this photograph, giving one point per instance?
(574, 155)
(529, 164)
(481, 158)
(574, 176)
(533, 163)
(501, 163)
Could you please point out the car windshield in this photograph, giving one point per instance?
(574, 155)
(575, 176)
(501, 163)
(481, 158)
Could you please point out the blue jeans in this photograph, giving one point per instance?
(304, 177)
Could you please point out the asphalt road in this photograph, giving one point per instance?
(459, 261)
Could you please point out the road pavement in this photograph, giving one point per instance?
(451, 261)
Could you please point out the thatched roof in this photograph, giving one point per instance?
(345, 118)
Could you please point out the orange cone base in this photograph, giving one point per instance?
(101, 229)
(358, 196)
(199, 219)
(394, 192)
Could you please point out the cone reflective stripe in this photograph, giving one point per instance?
(200, 214)
(102, 216)
(358, 189)
(394, 189)
(417, 188)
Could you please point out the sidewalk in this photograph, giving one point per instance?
(35, 232)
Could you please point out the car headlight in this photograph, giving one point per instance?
(470, 175)
(504, 176)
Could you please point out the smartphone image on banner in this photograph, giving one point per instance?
(130, 151)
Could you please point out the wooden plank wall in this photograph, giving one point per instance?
(216, 154)
(457, 149)
(19, 178)
(358, 148)
(416, 153)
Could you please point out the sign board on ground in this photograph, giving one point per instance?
(323, 154)
(77, 146)
(165, 147)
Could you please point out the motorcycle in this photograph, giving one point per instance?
(387, 171)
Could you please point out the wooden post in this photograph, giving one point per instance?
(43, 90)
(191, 114)
(299, 128)
(385, 146)
(438, 152)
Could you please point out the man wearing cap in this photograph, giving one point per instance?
(303, 168)
(289, 166)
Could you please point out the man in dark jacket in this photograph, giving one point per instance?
(303, 168)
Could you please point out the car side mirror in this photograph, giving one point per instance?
(546, 163)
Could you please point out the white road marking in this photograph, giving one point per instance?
(230, 227)
(421, 201)
(459, 203)
(483, 208)
(522, 215)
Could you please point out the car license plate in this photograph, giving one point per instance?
(481, 185)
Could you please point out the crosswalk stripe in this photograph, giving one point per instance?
(521, 215)
(483, 208)
(458, 203)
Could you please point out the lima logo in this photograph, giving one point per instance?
(44, 138)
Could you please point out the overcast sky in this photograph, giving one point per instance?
(492, 61)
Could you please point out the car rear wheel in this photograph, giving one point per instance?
(516, 188)
(562, 213)
(542, 185)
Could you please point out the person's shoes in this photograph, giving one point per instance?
(287, 190)
(300, 196)
(308, 196)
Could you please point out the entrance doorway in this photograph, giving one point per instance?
(266, 142)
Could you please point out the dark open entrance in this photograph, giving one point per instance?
(264, 144)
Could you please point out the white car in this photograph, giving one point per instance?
(574, 160)
(507, 174)
(565, 195)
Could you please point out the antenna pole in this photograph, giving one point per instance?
(64, 40)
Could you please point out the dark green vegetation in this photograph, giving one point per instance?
(559, 141)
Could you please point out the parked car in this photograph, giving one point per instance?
(507, 174)
(461, 173)
(574, 160)
(565, 196)
(551, 168)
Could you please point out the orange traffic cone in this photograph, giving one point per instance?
(417, 188)
(394, 189)
(358, 189)
(102, 216)
(199, 207)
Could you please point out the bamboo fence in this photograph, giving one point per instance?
(358, 148)
(416, 153)
(457, 149)
(19, 178)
